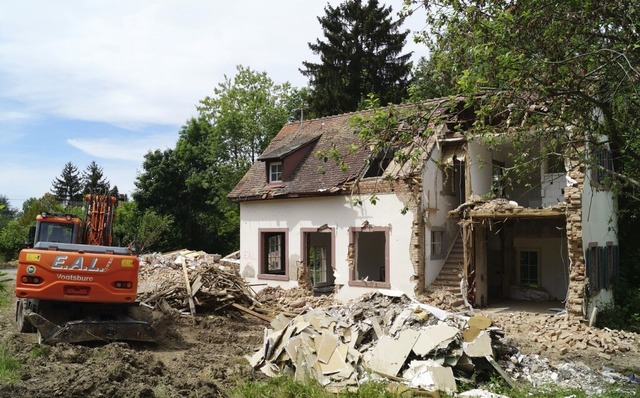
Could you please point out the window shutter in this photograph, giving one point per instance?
(616, 263)
(589, 264)
(603, 280)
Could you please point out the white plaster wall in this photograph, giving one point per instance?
(599, 225)
(338, 213)
(480, 167)
(554, 265)
(599, 218)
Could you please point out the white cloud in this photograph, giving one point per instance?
(141, 62)
(146, 62)
(123, 148)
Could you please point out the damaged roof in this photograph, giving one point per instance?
(309, 173)
(306, 173)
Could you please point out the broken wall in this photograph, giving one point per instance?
(436, 205)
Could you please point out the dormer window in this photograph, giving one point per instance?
(275, 171)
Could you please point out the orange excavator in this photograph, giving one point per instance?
(73, 286)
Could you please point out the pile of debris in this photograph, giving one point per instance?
(540, 373)
(562, 334)
(387, 335)
(499, 205)
(445, 299)
(293, 299)
(384, 334)
(186, 280)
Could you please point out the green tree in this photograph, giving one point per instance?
(184, 183)
(31, 207)
(430, 82)
(7, 213)
(146, 231)
(190, 182)
(93, 179)
(247, 111)
(153, 232)
(68, 187)
(360, 56)
(549, 63)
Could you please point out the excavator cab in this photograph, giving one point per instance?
(58, 228)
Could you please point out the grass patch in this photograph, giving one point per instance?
(9, 366)
(283, 386)
(287, 387)
(551, 391)
(38, 351)
(5, 290)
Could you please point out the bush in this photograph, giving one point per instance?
(12, 240)
(625, 313)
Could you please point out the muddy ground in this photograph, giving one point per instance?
(204, 358)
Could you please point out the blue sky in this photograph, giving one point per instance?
(107, 81)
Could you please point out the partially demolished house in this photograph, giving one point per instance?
(354, 223)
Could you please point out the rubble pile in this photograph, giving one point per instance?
(382, 334)
(186, 280)
(560, 334)
(539, 372)
(292, 299)
(499, 205)
(444, 299)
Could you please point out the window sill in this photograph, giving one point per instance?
(274, 277)
(377, 285)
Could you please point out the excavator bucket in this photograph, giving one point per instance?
(121, 329)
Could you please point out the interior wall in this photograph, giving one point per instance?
(554, 267)
(324, 239)
(370, 262)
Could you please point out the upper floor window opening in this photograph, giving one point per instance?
(275, 171)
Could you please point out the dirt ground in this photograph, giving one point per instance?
(205, 358)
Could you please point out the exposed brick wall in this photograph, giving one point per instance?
(573, 198)
(411, 197)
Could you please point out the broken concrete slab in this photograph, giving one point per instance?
(430, 375)
(470, 334)
(326, 344)
(479, 347)
(480, 321)
(345, 345)
(437, 312)
(432, 337)
(389, 354)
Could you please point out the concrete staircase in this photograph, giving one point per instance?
(451, 273)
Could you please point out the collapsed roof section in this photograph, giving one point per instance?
(305, 150)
